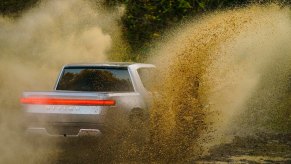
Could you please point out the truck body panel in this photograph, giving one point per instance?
(63, 112)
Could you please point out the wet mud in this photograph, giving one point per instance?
(221, 92)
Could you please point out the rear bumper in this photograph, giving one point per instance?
(65, 129)
(64, 124)
(57, 124)
(44, 132)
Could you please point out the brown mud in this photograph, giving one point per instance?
(222, 76)
(214, 75)
(222, 90)
(262, 148)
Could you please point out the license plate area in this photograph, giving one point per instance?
(64, 109)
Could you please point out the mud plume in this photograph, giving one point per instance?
(214, 69)
(33, 48)
(225, 74)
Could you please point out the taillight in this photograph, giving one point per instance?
(58, 101)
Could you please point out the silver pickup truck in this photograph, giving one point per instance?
(85, 95)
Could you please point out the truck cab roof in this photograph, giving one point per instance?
(109, 64)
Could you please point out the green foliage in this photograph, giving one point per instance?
(12, 7)
(146, 20)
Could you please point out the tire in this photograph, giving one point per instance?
(138, 123)
(137, 118)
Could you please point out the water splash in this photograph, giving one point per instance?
(211, 70)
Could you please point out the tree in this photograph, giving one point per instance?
(146, 20)
(12, 7)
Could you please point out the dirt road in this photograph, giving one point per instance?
(263, 148)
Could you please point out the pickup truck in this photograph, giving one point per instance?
(85, 95)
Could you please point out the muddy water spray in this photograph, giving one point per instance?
(211, 71)
(33, 48)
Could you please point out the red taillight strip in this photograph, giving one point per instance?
(57, 101)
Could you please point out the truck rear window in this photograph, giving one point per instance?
(96, 79)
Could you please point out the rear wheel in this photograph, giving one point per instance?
(137, 118)
(138, 121)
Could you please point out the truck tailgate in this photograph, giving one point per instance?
(66, 106)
